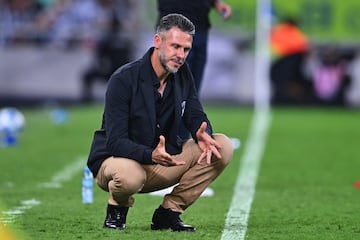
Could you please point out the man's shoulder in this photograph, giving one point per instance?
(127, 76)
(129, 67)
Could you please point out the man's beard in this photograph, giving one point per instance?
(163, 62)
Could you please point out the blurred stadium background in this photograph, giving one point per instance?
(47, 45)
(305, 189)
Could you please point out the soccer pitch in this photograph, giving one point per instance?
(303, 190)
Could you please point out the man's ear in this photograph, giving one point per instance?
(157, 40)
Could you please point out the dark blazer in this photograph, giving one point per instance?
(129, 118)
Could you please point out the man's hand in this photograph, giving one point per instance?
(160, 156)
(223, 8)
(207, 144)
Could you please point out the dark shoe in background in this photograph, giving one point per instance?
(167, 219)
(116, 217)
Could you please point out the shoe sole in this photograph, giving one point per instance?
(114, 227)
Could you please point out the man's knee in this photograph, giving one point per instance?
(121, 175)
(129, 183)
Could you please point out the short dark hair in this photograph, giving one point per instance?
(175, 20)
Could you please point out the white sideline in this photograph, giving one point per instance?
(8, 216)
(238, 214)
(65, 175)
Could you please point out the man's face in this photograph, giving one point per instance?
(174, 46)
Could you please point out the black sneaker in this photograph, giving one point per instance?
(115, 217)
(167, 219)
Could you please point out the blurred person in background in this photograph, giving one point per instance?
(18, 21)
(138, 150)
(290, 47)
(70, 23)
(353, 93)
(331, 76)
(112, 50)
(59, 22)
(80, 23)
(198, 12)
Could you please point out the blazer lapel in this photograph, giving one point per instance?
(178, 101)
(147, 88)
(148, 94)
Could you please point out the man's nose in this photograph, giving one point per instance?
(181, 53)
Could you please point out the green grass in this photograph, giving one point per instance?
(46, 148)
(305, 186)
(304, 189)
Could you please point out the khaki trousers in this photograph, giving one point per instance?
(123, 177)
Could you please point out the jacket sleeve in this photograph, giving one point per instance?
(194, 114)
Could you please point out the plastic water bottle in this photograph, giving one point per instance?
(87, 186)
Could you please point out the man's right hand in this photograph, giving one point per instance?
(223, 8)
(160, 156)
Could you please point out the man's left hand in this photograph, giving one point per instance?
(207, 144)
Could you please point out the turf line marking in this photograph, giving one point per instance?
(244, 191)
(65, 175)
(9, 215)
